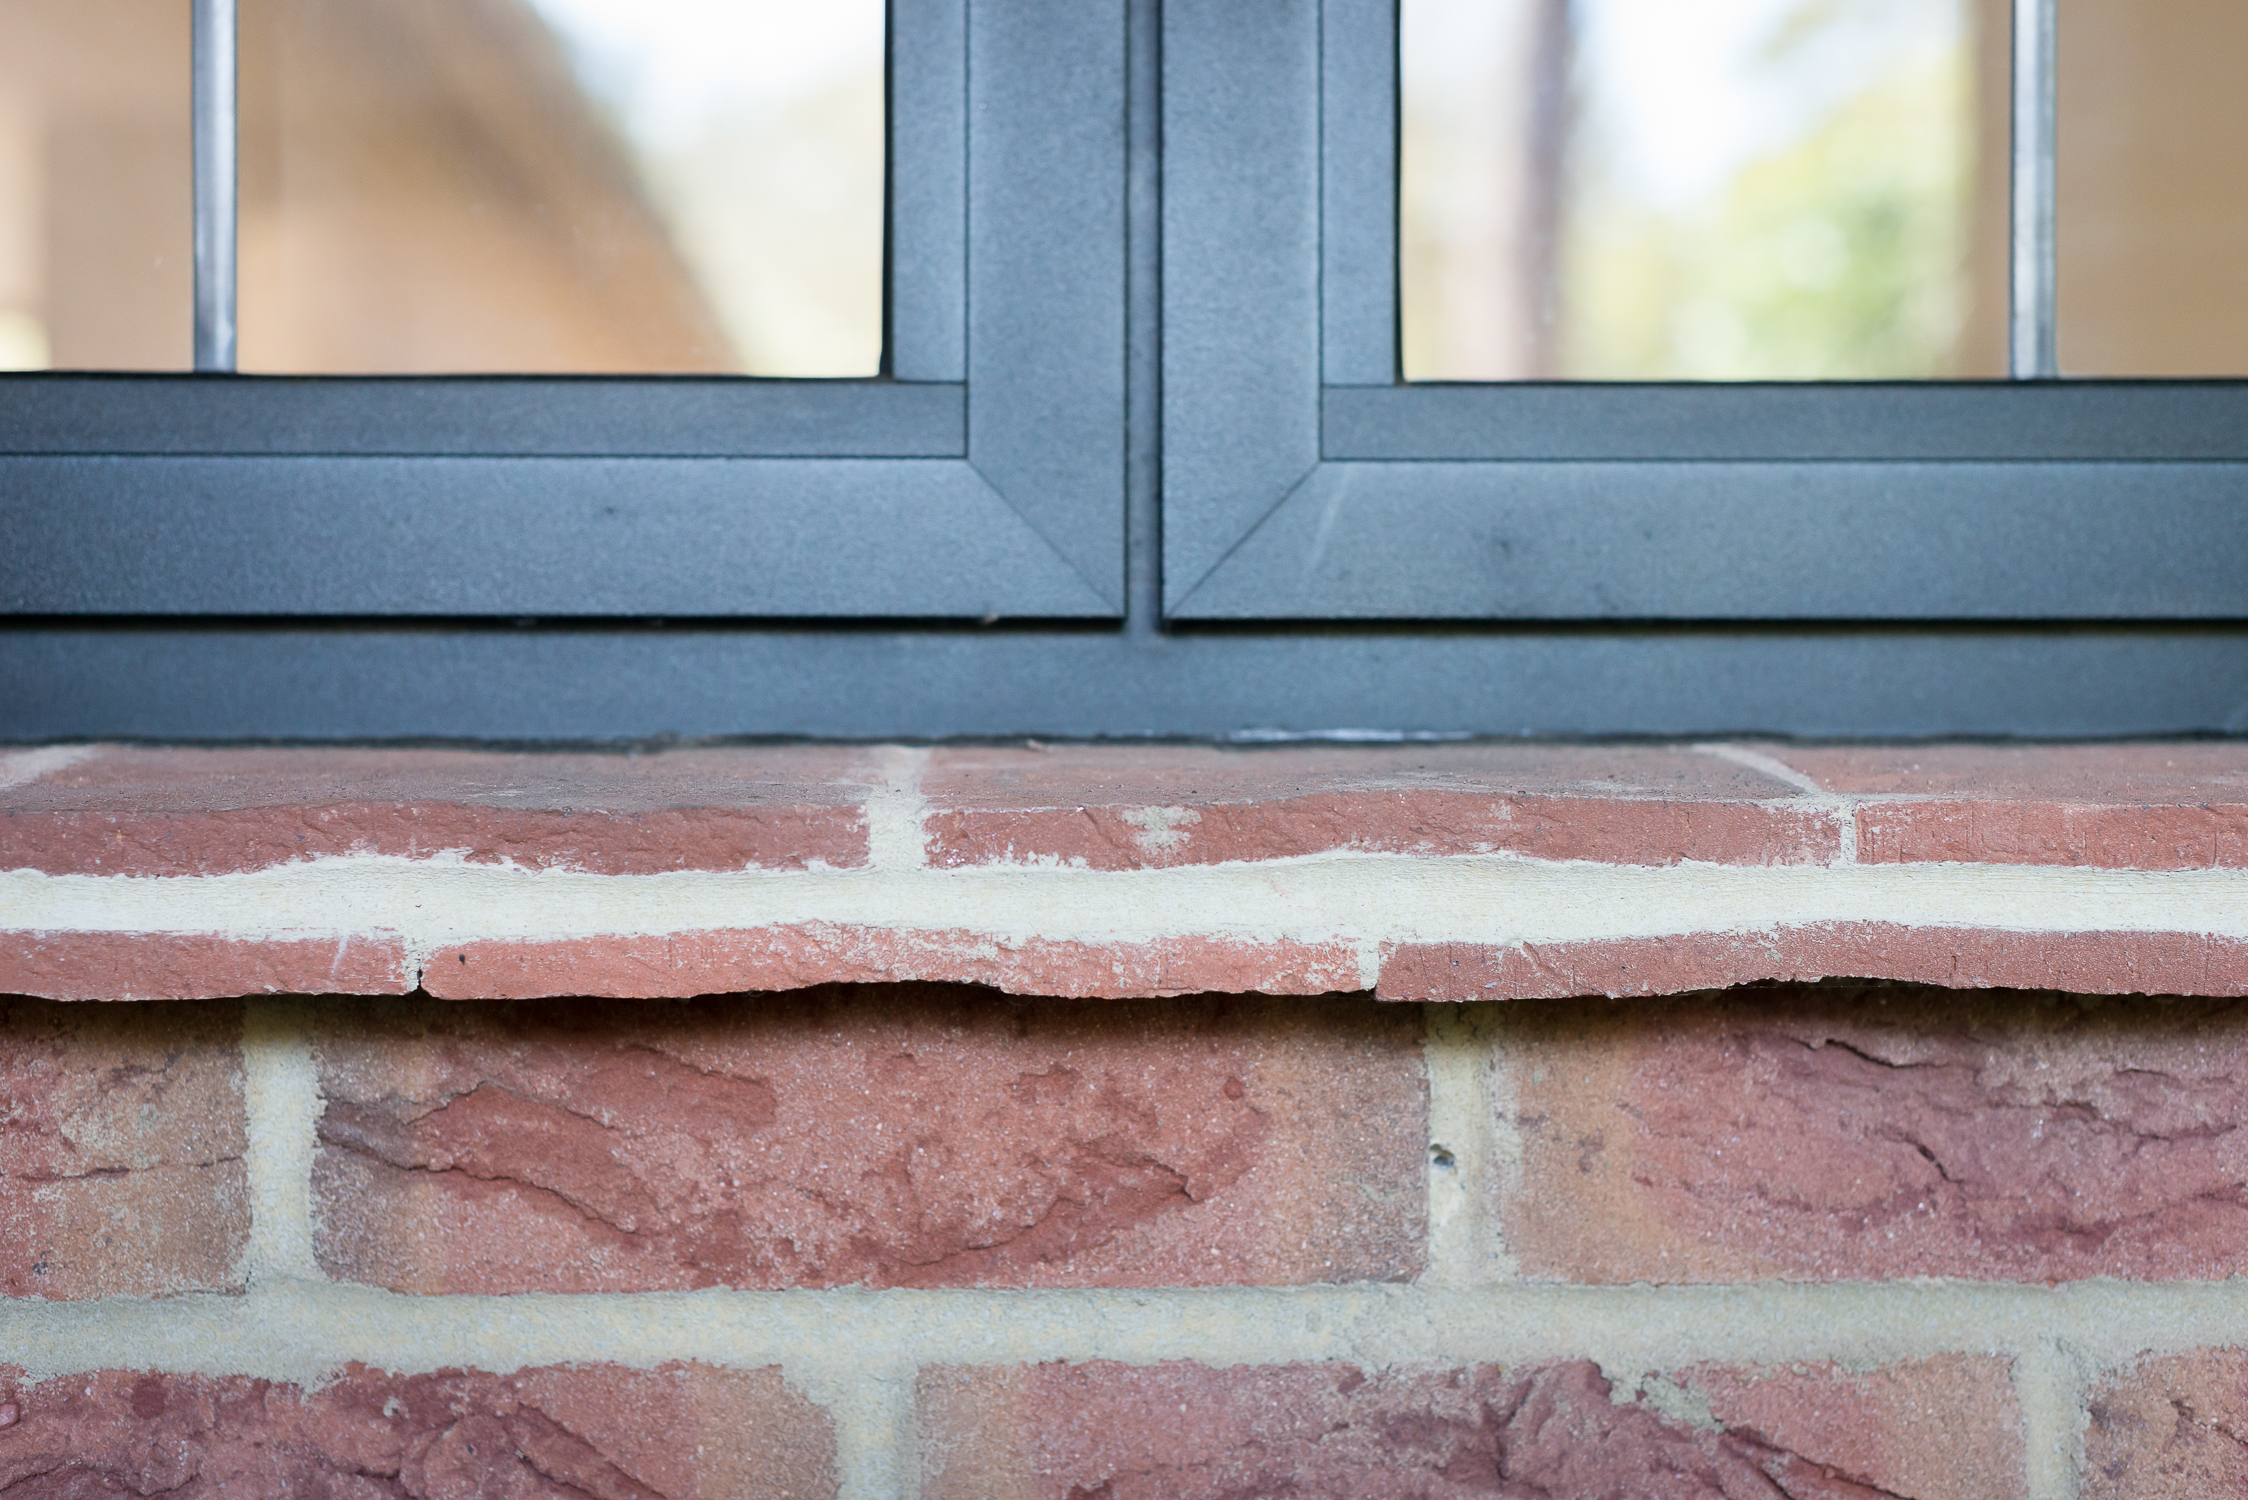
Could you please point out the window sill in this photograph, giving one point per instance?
(1454, 872)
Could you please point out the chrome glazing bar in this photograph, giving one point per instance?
(2035, 340)
(216, 190)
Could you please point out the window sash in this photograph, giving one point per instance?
(1303, 481)
(983, 478)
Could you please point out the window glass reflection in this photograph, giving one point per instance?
(2153, 187)
(597, 186)
(1698, 189)
(96, 240)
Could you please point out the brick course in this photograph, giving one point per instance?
(895, 1138)
(1189, 1432)
(954, 836)
(1140, 807)
(121, 1150)
(2126, 807)
(129, 811)
(1211, 1216)
(682, 1432)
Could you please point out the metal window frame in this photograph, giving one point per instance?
(1304, 481)
(981, 478)
(225, 677)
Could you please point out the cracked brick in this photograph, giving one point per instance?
(1560, 1431)
(679, 1432)
(1868, 1133)
(903, 1136)
(121, 1149)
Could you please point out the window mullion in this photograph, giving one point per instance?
(2035, 323)
(216, 188)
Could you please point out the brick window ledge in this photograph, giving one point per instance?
(1448, 872)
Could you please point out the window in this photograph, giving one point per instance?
(979, 478)
(1140, 463)
(564, 186)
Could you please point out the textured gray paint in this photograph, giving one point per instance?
(1046, 272)
(525, 536)
(604, 684)
(1897, 541)
(1928, 419)
(1240, 270)
(1358, 192)
(928, 190)
(663, 417)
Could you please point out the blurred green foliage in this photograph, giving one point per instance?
(1839, 256)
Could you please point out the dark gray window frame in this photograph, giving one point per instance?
(1304, 481)
(479, 676)
(982, 477)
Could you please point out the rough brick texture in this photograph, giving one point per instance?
(714, 963)
(1872, 1133)
(1028, 814)
(1117, 807)
(191, 966)
(682, 1432)
(2172, 1428)
(121, 1146)
(897, 1137)
(124, 811)
(1558, 1432)
(2085, 963)
(2134, 807)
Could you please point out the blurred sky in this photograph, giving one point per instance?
(1679, 94)
(668, 66)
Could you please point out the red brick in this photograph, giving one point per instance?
(897, 1137)
(2128, 774)
(1872, 1134)
(1944, 1426)
(1186, 1432)
(2085, 963)
(121, 1147)
(1129, 807)
(2170, 1428)
(787, 958)
(202, 812)
(2123, 806)
(679, 1432)
(192, 966)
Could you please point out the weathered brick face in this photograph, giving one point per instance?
(121, 1149)
(1863, 1134)
(665, 1111)
(2171, 1428)
(895, 1137)
(683, 1432)
(1191, 1432)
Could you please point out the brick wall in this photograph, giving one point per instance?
(909, 1239)
(935, 1241)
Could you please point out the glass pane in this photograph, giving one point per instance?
(1701, 189)
(96, 231)
(598, 186)
(2154, 187)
